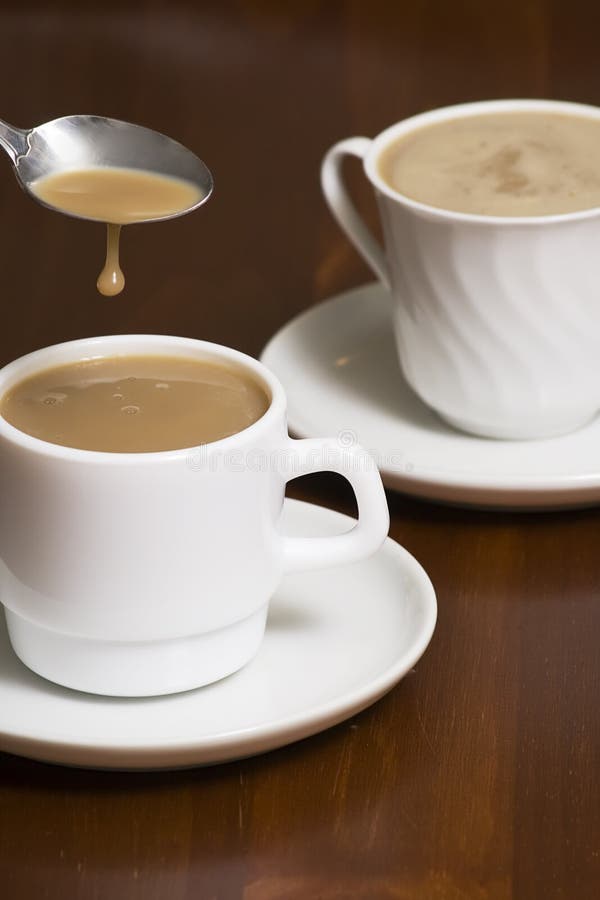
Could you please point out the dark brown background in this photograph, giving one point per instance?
(477, 777)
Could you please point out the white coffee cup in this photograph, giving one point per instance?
(496, 319)
(138, 574)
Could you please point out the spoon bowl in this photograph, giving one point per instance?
(92, 142)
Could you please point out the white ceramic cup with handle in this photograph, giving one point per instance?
(496, 319)
(138, 574)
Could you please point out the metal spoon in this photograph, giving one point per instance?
(85, 142)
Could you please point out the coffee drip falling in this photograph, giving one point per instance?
(111, 280)
(118, 197)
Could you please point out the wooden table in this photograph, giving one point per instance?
(477, 777)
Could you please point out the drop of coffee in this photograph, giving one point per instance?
(111, 280)
(118, 197)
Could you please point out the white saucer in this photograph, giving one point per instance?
(336, 641)
(338, 365)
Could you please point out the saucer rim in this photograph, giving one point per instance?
(524, 493)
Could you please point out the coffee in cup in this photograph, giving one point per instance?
(527, 163)
(135, 404)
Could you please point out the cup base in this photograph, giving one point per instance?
(140, 668)
(519, 432)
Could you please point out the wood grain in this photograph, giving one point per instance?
(477, 777)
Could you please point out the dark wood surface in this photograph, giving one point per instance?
(477, 777)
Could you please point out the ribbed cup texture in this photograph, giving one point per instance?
(498, 325)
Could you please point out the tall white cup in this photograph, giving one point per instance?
(148, 573)
(496, 319)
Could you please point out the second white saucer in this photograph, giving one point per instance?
(338, 365)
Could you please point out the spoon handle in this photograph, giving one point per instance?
(13, 140)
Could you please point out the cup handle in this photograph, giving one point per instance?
(358, 467)
(343, 208)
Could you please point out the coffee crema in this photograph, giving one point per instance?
(135, 403)
(524, 163)
(118, 197)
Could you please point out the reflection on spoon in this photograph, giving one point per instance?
(111, 280)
